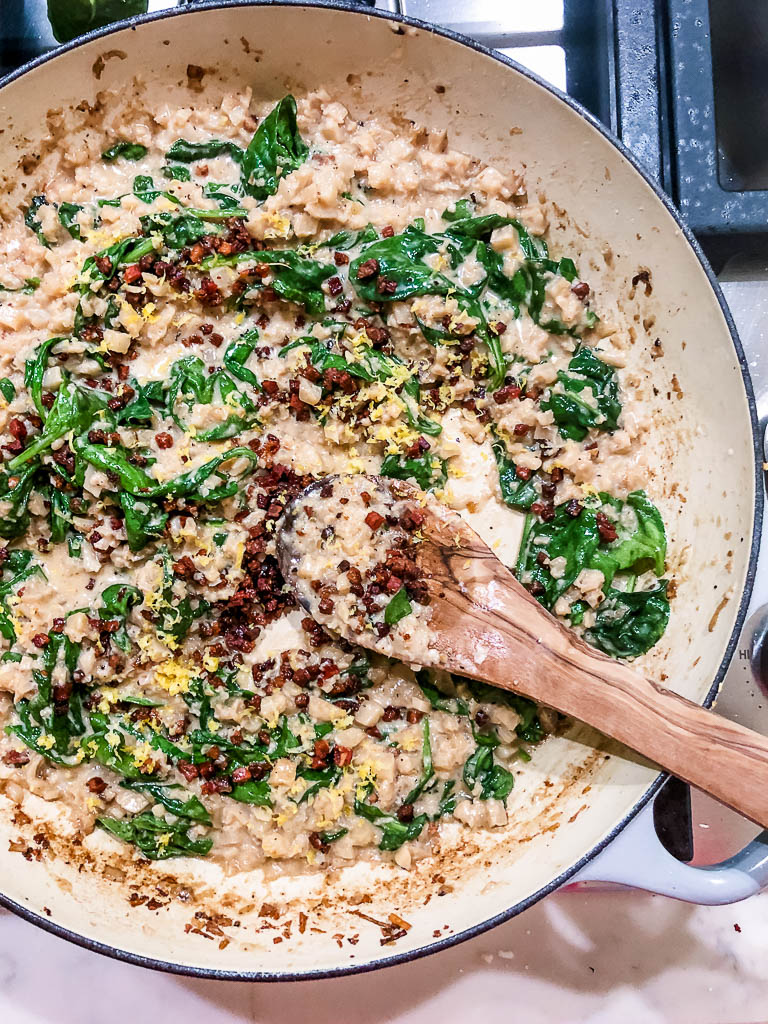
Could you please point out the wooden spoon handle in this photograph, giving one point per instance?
(508, 639)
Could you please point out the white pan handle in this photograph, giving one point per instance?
(637, 859)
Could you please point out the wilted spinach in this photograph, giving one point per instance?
(275, 150)
(629, 623)
(574, 413)
(124, 150)
(156, 838)
(427, 470)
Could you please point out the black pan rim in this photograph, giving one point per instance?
(469, 933)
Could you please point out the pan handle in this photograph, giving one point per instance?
(636, 858)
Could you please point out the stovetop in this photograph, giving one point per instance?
(642, 67)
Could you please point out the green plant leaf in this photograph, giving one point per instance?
(275, 150)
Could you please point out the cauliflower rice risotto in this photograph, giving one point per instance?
(202, 311)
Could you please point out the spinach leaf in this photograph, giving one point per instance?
(190, 808)
(144, 189)
(62, 719)
(156, 838)
(19, 566)
(190, 384)
(7, 389)
(275, 150)
(32, 220)
(627, 623)
(139, 410)
(641, 540)
(186, 485)
(427, 470)
(495, 781)
(441, 701)
(34, 372)
(177, 229)
(144, 521)
(427, 770)
(116, 602)
(16, 489)
(70, 18)
(575, 414)
(74, 409)
(123, 253)
(187, 152)
(237, 355)
(107, 746)
(576, 539)
(640, 544)
(344, 239)
(252, 792)
(393, 832)
(222, 194)
(296, 279)
(68, 218)
(175, 615)
(529, 728)
(125, 150)
(60, 514)
(400, 259)
(175, 172)
(398, 607)
(331, 837)
(319, 778)
(516, 492)
(30, 286)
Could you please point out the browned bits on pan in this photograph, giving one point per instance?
(369, 268)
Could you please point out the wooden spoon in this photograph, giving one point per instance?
(485, 625)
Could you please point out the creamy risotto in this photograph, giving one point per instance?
(205, 309)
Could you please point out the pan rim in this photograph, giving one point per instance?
(447, 941)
